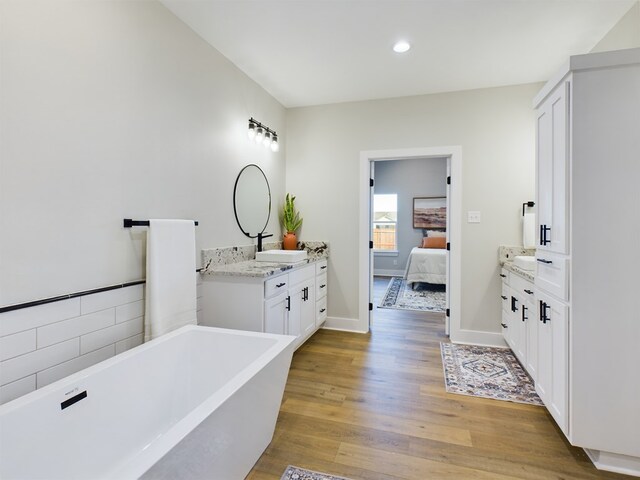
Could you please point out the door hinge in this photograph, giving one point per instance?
(370, 307)
(370, 243)
(448, 246)
(449, 180)
(448, 312)
(371, 182)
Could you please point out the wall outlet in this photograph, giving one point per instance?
(473, 217)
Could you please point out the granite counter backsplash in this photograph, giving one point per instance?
(240, 261)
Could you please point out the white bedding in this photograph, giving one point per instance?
(427, 265)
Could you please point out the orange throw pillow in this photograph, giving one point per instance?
(434, 242)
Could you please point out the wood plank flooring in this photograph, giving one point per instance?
(374, 407)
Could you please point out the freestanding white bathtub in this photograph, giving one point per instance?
(196, 403)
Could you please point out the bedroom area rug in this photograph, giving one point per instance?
(426, 297)
(487, 372)
(297, 473)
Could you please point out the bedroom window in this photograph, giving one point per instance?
(385, 220)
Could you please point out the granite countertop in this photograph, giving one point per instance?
(529, 275)
(240, 261)
(506, 254)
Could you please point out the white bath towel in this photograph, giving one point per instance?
(529, 230)
(170, 292)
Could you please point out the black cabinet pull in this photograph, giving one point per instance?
(543, 234)
(323, 285)
(322, 310)
(288, 304)
(530, 292)
(524, 311)
(280, 285)
(504, 325)
(323, 267)
(514, 306)
(542, 260)
(503, 275)
(543, 312)
(503, 297)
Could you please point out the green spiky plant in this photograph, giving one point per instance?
(291, 220)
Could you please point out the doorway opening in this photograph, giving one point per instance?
(420, 211)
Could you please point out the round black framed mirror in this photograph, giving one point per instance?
(252, 200)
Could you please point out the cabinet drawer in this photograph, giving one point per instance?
(276, 285)
(298, 276)
(504, 275)
(321, 267)
(321, 311)
(321, 286)
(522, 287)
(553, 274)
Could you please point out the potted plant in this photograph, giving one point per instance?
(291, 222)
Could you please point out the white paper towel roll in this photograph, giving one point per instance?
(529, 230)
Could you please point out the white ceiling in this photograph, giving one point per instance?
(310, 52)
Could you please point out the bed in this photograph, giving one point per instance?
(427, 265)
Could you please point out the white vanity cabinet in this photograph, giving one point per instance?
(519, 327)
(588, 146)
(290, 303)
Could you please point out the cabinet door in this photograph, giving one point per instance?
(308, 310)
(275, 314)
(302, 313)
(552, 151)
(553, 354)
(522, 316)
(531, 364)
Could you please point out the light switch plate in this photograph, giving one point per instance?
(473, 217)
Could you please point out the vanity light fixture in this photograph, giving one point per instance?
(262, 134)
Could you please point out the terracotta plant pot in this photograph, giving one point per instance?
(290, 241)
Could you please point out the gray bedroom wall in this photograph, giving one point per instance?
(408, 178)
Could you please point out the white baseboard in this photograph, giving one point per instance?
(476, 337)
(613, 462)
(343, 324)
(388, 273)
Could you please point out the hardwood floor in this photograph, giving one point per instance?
(374, 407)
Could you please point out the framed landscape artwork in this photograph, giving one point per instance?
(430, 212)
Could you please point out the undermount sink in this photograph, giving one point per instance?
(281, 256)
(525, 262)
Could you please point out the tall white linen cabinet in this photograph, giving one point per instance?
(587, 287)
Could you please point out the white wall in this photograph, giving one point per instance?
(624, 34)
(111, 110)
(495, 128)
(420, 177)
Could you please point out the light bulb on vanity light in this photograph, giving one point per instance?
(251, 133)
(259, 135)
(267, 139)
(274, 143)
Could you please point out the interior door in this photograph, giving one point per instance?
(371, 190)
(448, 262)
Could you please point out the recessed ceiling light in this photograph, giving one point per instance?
(401, 46)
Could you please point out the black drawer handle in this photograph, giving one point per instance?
(524, 311)
(288, 307)
(280, 285)
(514, 304)
(542, 260)
(322, 310)
(503, 275)
(504, 325)
(543, 312)
(503, 297)
(323, 267)
(530, 292)
(323, 285)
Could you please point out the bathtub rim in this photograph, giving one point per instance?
(137, 465)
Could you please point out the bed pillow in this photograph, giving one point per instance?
(434, 242)
(436, 233)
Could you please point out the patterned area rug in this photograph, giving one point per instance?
(487, 372)
(297, 473)
(426, 297)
